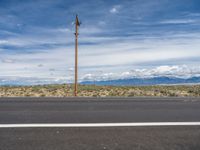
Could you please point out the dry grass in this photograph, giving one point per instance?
(100, 91)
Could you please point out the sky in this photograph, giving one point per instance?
(117, 39)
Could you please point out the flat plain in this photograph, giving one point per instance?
(64, 90)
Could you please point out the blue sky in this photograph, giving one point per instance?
(118, 39)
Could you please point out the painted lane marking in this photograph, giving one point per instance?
(80, 125)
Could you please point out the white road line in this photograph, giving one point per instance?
(81, 125)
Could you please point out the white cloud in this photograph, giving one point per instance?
(193, 14)
(71, 69)
(115, 9)
(131, 52)
(8, 61)
(50, 37)
(179, 21)
(107, 56)
(88, 77)
(2, 42)
(182, 71)
(110, 54)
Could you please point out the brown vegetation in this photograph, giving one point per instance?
(100, 91)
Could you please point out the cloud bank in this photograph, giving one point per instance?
(124, 39)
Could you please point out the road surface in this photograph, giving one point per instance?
(99, 111)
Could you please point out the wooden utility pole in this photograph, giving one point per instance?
(77, 24)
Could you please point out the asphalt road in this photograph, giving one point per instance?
(96, 110)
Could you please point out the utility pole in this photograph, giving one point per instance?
(77, 24)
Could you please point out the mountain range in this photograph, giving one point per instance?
(117, 82)
(146, 81)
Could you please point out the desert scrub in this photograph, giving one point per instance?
(35, 88)
(64, 90)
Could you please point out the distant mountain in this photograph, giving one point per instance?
(24, 81)
(146, 81)
(118, 82)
